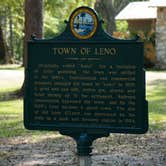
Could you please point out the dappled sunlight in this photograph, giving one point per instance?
(156, 96)
(11, 107)
(155, 90)
(157, 118)
(9, 94)
(35, 137)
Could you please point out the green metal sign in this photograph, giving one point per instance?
(85, 82)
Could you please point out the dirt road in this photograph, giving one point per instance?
(9, 77)
(154, 76)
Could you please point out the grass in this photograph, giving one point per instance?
(156, 95)
(10, 114)
(11, 117)
(11, 67)
(11, 109)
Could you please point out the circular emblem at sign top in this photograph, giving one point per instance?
(83, 23)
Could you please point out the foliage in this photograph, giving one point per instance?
(149, 47)
(58, 11)
(121, 35)
(121, 30)
(147, 36)
(121, 26)
(11, 10)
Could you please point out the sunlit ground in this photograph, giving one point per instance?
(156, 96)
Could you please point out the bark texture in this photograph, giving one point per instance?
(33, 25)
(106, 10)
(3, 51)
(33, 22)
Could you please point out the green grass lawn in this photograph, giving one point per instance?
(156, 96)
(11, 115)
(11, 109)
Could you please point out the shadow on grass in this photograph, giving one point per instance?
(159, 126)
(10, 95)
(160, 83)
(12, 126)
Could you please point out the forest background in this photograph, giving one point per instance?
(50, 16)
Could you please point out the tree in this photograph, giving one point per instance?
(120, 4)
(33, 23)
(11, 21)
(56, 11)
(3, 52)
(11, 33)
(3, 44)
(108, 9)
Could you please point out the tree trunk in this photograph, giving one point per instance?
(106, 10)
(119, 5)
(3, 51)
(11, 36)
(33, 25)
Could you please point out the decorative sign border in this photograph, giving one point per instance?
(75, 14)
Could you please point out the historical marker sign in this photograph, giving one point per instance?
(85, 81)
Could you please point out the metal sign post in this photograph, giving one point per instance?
(84, 150)
(84, 144)
(85, 160)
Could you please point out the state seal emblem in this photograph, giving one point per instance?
(83, 23)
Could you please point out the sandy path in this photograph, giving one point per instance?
(10, 77)
(153, 76)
